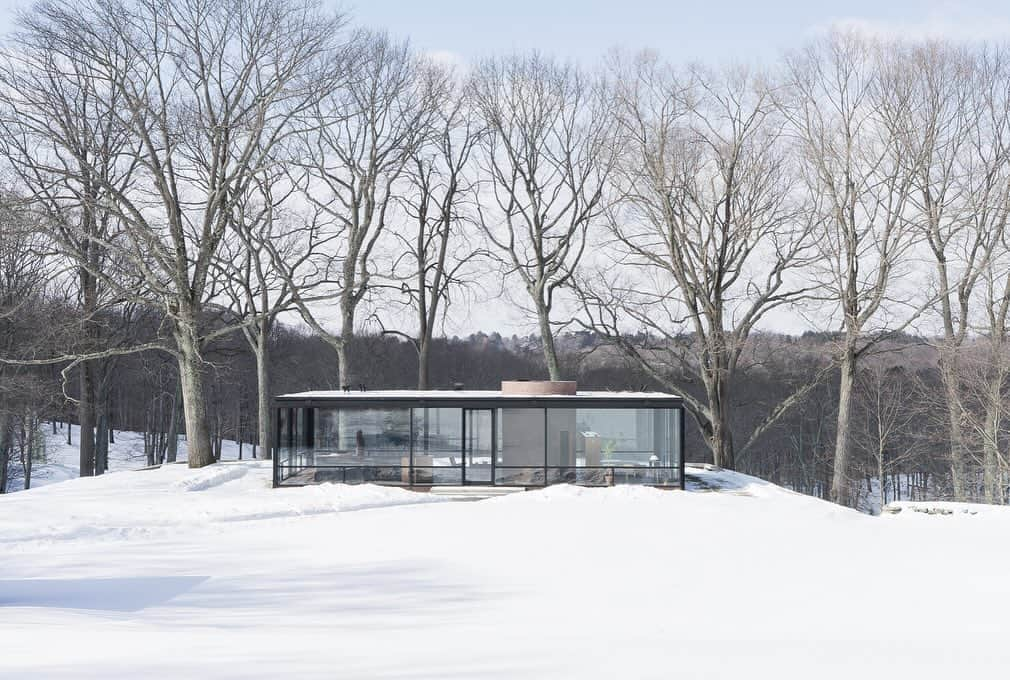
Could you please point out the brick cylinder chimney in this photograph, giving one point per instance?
(537, 388)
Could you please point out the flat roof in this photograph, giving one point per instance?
(473, 395)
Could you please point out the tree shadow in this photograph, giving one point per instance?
(357, 593)
(124, 594)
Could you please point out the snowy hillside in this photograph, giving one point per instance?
(178, 573)
(62, 460)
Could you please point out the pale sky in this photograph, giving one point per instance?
(711, 31)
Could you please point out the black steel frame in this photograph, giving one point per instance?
(491, 402)
(612, 471)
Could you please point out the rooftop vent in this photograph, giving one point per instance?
(538, 387)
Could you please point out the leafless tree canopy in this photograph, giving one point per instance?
(544, 161)
(198, 96)
(207, 200)
(707, 233)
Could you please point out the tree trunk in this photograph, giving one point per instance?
(263, 419)
(721, 436)
(29, 444)
(840, 476)
(172, 449)
(86, 416)
(347, 377)
(86, 405)
(102, 444)
(5, 450)
(237, 428)
(148, 442)
(109, 421)
(162, 445)
(547, 340)
(990, 455)
(194, 404)
(881, 480)
(423, 362)
(4, 462)
(949, 377)
(344, 367)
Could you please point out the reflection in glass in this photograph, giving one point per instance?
(377, 439)
(438, 445)
(478, 452)
(506, 446)
(605, 440)
(283, 436)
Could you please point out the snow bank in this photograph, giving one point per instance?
(211, 477)
(153, 502)
(210, 573)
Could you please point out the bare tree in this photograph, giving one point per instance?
(885, 428)
(437, 254)
(988, 376)
(987, 213)
(260, 239)
(361, 140)
(956, 132)
(51, 94)
(206, 91)
(707, 234)
(847, 98)
(545, 160)
(30, 273)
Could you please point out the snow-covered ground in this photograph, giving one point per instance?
(62, 460)
(178, 573)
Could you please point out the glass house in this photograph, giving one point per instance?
(528, 435)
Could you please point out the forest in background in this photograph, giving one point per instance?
(209, 202)
(900, 450)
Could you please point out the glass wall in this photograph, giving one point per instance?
(520, 447)
(294, 441)
(283, 454)
(438, 445)
(363, 444)
(343, 444)
(614, 446)
(529, 446)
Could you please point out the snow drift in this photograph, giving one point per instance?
(212, 574)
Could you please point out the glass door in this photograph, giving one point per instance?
(478, 445)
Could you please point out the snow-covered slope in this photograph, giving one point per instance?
(178, 573)
(62, 460)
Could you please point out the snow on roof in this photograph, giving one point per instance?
(468, 394)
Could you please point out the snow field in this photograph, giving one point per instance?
(210, 573)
